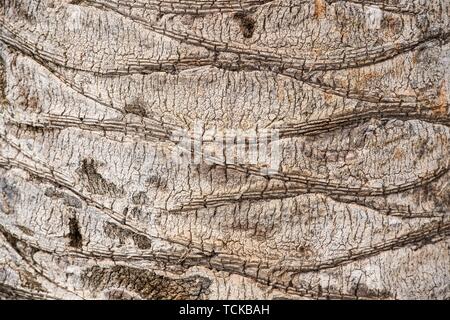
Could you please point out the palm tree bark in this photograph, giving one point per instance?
(93, 205)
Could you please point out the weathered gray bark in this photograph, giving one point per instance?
(91, 205)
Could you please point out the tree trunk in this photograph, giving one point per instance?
(121, 123)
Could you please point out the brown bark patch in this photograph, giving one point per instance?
(319, 8)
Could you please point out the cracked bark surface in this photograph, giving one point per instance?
(93, 207)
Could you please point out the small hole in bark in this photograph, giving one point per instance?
(246, 23)
(74, 233)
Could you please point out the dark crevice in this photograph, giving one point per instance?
(76, 240)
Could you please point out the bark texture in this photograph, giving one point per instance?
(91, 205)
